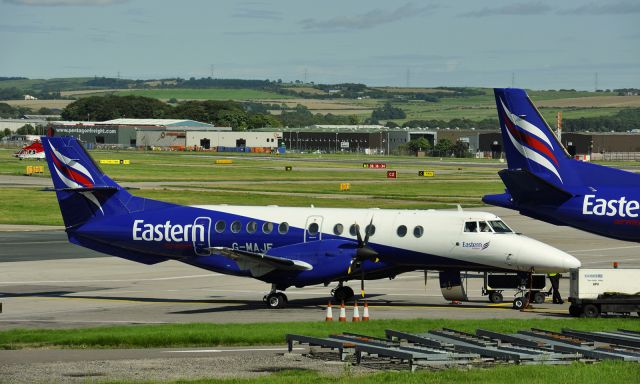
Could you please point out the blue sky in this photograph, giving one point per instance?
(545, 44)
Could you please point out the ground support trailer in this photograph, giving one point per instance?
(609, 290)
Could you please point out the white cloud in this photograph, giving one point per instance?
(367, 20)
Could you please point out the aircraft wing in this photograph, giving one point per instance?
(259, 263)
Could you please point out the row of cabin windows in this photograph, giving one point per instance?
(252, 227)
(313, 230)
(496, 226)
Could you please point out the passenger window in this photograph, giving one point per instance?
(499, 226)
(471, 226)
(370, 229)
(338, 229)
(354, 229)
(313, 229)
(252, 227)
(236, 226)
(283, 228)
(418, 231)
(484, 227)
(267, 228)
(402, 231)
(220, 226)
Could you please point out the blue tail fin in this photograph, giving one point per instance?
(528, 141)
(83, 190)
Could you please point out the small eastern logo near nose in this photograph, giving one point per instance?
(476, 245)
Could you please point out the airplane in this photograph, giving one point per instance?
(543, 181)
(31, 151)
(283, 246)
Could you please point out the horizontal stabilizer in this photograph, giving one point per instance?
(525, 187)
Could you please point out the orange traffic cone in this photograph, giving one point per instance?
(356, 313)
(329, 313)
(365, 313)
(343, 313)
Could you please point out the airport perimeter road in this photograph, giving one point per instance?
(52, 283)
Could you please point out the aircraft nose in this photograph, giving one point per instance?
(544, 258)
(571, 262)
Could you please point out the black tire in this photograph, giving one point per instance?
(590, 311)
(520, 303)
(343, 294)
(495, 297)
(276, 300)
(575, 310)
(538, 297)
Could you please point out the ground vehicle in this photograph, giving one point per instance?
(605, 290)
(496, 283)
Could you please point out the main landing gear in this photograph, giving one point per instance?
(342, 293)
(275, 299)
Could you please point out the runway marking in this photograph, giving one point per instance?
(111, 280)
(604, 249)
(236, 350)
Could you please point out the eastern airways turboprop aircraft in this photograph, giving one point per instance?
(545, 183)
(283, 246)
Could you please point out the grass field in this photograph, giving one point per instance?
(209, 335)
(195, 179)
(197, 94)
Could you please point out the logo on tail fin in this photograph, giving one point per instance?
(73, 174)
(529, 140)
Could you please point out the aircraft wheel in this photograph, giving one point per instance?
(495, 297)
(343, 293)
(590, 311)
(574, 310)
(276, 300)
(520, 303)
(538, 297)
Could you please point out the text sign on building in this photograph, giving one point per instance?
(374, 165)
(427, 173)
(392, 175)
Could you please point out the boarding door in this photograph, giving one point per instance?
(200, 233)
(313, 229)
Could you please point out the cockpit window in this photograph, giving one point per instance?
(471, 226)
(484, 227)
(499, 226)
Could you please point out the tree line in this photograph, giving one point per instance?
(239, 116)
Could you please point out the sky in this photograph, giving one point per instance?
(532, 44)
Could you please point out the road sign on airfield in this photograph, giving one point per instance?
(426, 173)
(392, 175)
(374, 165)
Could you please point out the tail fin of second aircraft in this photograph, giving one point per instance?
(528, 141)
(83, 190)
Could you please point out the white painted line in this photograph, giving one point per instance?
(236, 350)
(604, 249)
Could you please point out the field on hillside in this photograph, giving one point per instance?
(197, 94)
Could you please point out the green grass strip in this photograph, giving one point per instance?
(201, 335)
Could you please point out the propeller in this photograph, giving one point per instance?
(363, 252)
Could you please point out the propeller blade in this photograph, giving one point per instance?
(367, 232)
(358, 236)
(362, 281)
